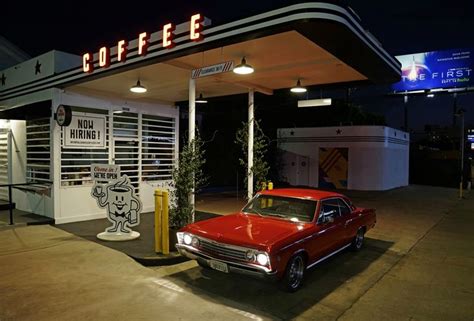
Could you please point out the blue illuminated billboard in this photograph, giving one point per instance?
(436, 69)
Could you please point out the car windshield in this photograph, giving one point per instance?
(294, 209)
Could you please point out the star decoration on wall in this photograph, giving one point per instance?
(4, 79)
(37, 67)
(338, 131)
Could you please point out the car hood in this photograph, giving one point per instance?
(246, 230)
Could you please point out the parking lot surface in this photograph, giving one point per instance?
(417, 264)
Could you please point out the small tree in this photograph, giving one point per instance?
(188, 174)
(260, 167)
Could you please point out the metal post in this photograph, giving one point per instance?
(192, 129)
(405, 116)
(455, 108)
(158, 220)
(10, 156)
(10, 173)
(462, 156)
(165, 224)
(10, 203)
(250, 144)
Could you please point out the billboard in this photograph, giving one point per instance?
(436, 69)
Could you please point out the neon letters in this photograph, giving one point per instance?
(104, 57)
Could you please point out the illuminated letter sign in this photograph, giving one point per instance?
(143, 43)
(168, 35)
(195, 33)
(104, 57)
(87, 66)
(122, 50)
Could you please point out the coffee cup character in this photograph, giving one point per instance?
(123, 206)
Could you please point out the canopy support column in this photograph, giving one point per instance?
(250, 144)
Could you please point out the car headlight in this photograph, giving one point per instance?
(195, 242)
(262, 259)
(187, 239)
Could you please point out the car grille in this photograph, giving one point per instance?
(222, 250)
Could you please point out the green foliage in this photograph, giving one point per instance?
(188, 174)
(260, 167)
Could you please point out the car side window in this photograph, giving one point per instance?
(343, 208)
(329, 208)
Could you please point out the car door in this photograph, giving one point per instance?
(329, 229)
(350, 220)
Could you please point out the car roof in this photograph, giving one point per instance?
(313, 194)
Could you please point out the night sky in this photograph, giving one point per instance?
(403, 26)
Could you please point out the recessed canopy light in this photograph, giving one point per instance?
(243, 68)
(138, 88)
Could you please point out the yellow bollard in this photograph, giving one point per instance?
(158, 211)
(270, 187)
(165, 225)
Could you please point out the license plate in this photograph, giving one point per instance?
(219, 266)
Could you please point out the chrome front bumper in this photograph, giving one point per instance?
(234, 267)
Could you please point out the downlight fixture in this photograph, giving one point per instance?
(138, 88)
(298, 89)
(244, 68)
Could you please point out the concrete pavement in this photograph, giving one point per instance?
(49, 274)
(417, 265)
(386, 280)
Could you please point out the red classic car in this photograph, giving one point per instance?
(279, 234)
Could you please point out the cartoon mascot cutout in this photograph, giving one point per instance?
(123, 209)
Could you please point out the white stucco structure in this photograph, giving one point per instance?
(69, 199)
(377, 157)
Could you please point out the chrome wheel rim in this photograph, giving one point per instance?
(359, 239)
(296, 272)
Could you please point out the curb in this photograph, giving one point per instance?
(165, 260)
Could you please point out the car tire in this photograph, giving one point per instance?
(294, 274)
(358, 241)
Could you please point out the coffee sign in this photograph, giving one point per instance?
(63, 115)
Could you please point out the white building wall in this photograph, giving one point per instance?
(74, 203)
(378, 156)
(28, 201)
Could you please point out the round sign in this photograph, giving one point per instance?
(63, 115)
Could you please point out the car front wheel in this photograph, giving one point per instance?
(358, 241)
(294, 274)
